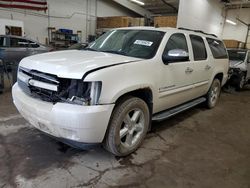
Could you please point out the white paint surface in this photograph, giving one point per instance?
(7, 22)
(205, 15)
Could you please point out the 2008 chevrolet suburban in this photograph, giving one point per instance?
(110, 92)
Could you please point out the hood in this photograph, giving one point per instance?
(237, 64)
(72, 63)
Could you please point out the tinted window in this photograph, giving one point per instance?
(2, 42)
(199, 48)
(134, 43)
(176, 41)
(217, 48)
(237, 55)
(18, 43)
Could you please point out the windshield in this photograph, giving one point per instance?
(237, 55)
(134, 43)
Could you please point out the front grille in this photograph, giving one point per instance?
(24, 77)
(49, 87)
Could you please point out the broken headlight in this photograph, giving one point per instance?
(82, 93)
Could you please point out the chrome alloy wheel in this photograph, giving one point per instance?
(132, 128)
(215, 93)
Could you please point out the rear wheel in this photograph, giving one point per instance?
(214, 93)
(241, 82)
(128, 126)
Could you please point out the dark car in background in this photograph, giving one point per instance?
(78, 46)
(239, 70)
(13, 49)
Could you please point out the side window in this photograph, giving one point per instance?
(3, 42)
(217, 48)
(33, 44)
(18, 43)
(199, 48)
(176, 41)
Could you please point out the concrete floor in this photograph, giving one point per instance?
(199, 148)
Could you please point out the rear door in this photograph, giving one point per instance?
(203, 65)
(17, 50)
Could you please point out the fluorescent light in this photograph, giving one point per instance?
(138, 2)
(230, 22)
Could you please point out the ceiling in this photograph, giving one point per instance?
(161, 7)
(170, 7)
(237, 3)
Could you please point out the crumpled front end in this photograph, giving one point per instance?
(64, 108)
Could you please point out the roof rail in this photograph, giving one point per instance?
(198, 31)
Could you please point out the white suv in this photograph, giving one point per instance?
(110, 92)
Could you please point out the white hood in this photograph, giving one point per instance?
(72, 63)
(238, 64)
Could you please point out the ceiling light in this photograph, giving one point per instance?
(230, 22)
(138, 2)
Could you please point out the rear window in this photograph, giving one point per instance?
(18, 43)
(237, 55)
(199, 48)
(217, 48)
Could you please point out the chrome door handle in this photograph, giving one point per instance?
(189, 70)
(207, 67)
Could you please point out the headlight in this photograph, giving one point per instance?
(84, 93)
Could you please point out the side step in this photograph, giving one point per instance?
(173, 111)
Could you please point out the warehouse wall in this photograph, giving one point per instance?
(5, 22)
(64, 14)
(239, 31)
(206, 15)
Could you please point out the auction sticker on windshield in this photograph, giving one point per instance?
(143, 42)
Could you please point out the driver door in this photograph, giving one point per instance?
(177, 77)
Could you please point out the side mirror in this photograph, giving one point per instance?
(176, 55)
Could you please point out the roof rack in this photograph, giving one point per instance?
(198, 31)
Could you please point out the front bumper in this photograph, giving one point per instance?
(86, 124)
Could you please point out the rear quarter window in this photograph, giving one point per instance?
(217, 48)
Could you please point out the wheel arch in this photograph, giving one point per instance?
(219, 76)
(145, 94)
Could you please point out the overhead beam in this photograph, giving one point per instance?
(170, 5)
(133, 7)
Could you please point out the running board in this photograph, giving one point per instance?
(173, 111)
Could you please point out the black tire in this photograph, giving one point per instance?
(241, 82)
(113, 141)
(211, 101)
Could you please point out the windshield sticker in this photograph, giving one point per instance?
(143, 42)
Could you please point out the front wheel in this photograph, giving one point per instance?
(128, 126)
(213, 93)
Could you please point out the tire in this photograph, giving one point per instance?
(213, 94)
(128, 126)
(241, 82)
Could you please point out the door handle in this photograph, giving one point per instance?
(189, 70)
(207, 67)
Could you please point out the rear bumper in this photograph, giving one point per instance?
(85, 124)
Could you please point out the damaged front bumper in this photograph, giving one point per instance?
(86, 124)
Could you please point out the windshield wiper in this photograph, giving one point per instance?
(114, 52)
